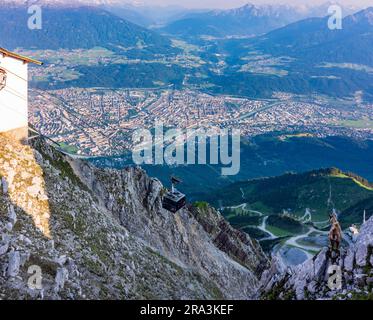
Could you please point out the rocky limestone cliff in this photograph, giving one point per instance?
(102, 234)
(310, 279)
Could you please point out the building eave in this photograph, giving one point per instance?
(14, 55)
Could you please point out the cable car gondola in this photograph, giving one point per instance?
(174, 200)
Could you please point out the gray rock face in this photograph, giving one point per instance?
(61, 277)
(14, 263)
(364, 245)
(200, 241)
(4, 249)
(12, 215)
(102, 234)
(311, 280)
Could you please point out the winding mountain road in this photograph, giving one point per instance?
(263, 227)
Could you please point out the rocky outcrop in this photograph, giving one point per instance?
(326, 276)
(135, 200)
(102, 234)
(236, 244)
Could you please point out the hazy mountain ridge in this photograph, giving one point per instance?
(244, 21)
(320, 60)
(247, 20)
(312, 40)
(77, 27)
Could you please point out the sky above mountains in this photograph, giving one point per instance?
(237, 3)
(223, 4)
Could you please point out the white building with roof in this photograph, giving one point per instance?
(14, 93)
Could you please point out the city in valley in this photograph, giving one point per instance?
(100, 122)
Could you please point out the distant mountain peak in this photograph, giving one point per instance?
(247, 20)
(366, 15)
(246, 10)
